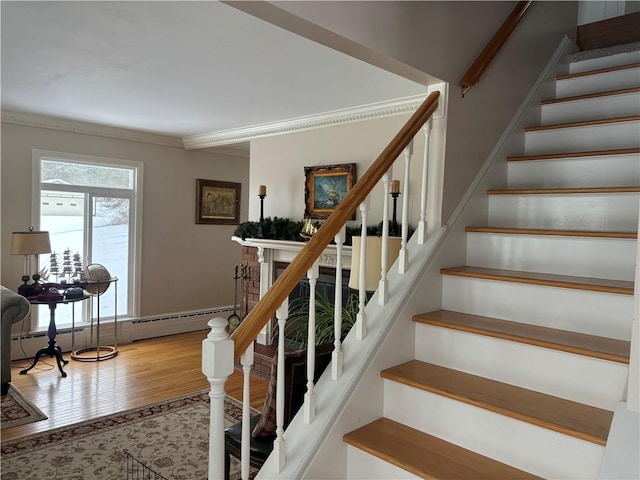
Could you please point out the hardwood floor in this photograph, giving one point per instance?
(142, 373)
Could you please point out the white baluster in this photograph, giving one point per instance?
(217, 365)
(246, 360)
(310, 396)
(403, 259)
(383, 287)
(422, 223)
(279, 444)
(361, 318)
(336, 355)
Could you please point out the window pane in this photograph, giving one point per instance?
(62, 215)
(110, 248)
(85, 175)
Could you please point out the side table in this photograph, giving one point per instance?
(52, 349)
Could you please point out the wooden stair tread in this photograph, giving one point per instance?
(562, 340)
(560, 233)
(583, 123)
(564, 416)
(610, 93)
(587, 154)
(598, 71)
(425, 455)
(546, 279)
(563, 191)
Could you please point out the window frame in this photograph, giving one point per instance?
(135, 224)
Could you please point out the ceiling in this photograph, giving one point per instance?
(175, 68)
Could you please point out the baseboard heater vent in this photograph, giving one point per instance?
(175, 316)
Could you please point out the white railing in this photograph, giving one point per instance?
(217, 361)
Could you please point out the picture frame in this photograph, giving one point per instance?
(217, 203)
(325, 187)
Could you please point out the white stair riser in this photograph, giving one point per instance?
(603, 314)
(362, 465)
(597, 83)
(609, 212)
(528, 447)
(601, 171)
(582, 139)
(616, 60)
(579, 256)
(586, 380)
(610, 106)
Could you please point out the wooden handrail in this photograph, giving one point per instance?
(493, 47)
(250, 327)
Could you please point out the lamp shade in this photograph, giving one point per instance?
(373, 259)
(30, 243)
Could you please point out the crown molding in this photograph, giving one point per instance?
(401, 106)
(338, 117)
(54, 123)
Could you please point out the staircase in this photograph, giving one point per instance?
(518, 375)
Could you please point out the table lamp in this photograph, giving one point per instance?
(373, 260)
(27, 244)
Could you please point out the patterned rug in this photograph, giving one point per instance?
(169, 437)
(16, 410)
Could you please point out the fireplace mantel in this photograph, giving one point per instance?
(271, 252)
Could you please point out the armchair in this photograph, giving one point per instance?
(14, 308)
(263, 425)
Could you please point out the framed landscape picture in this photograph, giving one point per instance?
(325, 187)
(217, 203)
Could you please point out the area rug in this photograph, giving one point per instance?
(169, 437)
(16, 409)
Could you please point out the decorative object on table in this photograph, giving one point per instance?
(54, 268)
(217, 203)
(30, 243)
(394, 231)
(308, 230)
(96, 279)
(262, 192)
(234, 318)
(67, 271)
(325, 187)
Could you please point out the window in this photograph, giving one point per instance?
(90, 207)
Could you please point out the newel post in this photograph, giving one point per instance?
(217, 365)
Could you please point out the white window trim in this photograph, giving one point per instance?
(135, 264)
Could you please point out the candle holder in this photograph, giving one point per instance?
(260, 226)
(394, 230)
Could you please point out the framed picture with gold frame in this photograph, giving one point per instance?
(325, 187)
(217, 203)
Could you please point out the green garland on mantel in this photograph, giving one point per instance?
(287, 229)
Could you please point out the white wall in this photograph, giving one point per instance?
(278, 162)
(185, 267)
(422, 40)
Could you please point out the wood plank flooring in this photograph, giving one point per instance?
(144, 372)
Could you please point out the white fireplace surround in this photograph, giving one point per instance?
(272, 251)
